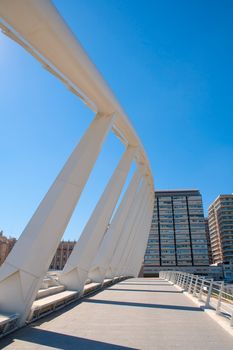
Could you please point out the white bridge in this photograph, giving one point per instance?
(134, 313)
(110, 245)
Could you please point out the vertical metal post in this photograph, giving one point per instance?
(174, 277)
(184, 280)
(219, 298)
(170, 275)
(190, 285)
(195, 286)
(207, 303)
(201, 288)
(231, 323)
(187, 281)
(181, 279)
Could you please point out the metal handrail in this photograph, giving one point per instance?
(214, 294)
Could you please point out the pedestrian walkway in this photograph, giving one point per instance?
(139, 313)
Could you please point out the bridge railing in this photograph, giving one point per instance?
(211, 294)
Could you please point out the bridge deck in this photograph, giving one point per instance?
(134, 314)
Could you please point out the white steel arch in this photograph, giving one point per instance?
(39, 28)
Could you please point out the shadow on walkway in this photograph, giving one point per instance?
(153, 306)
(143, 284)
(58, 340)
(144, 290)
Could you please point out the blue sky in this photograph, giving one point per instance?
(170, 65)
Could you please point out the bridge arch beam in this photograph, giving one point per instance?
(57, 49)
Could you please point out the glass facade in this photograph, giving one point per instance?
(177, 235)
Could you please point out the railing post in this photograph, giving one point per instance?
(187, 281)
(179, 278)
(201, 288)
(172, 277)
(219, 298)
(190, 285)
(190, 282)
(195, 286)
(231, 322)
(182, 280)
(207, 303)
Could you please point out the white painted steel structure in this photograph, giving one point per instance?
(108, 246)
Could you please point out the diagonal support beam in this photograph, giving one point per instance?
(114, 233)
(77, 267)
(132, 240)
(127, 229)
(22, 272)
(138, 246)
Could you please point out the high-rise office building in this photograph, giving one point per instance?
(207, 232)
(177, 235)
(221, 229)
